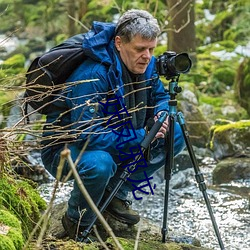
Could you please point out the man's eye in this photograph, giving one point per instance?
(139, 50)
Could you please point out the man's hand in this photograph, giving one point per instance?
(164, 128)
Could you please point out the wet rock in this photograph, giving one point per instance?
(197, 125)
(231, 169)
(231, 139)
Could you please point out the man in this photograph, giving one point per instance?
(124, 91)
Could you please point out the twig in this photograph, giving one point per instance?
(77, 21)
(137, 236)
(66, 154)
(45, 217)
(99, 238)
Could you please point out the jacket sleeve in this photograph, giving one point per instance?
(89, 122)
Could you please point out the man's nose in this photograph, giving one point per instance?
(146, 54)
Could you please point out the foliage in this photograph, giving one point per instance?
(13, 238)
(233, 112)
(242, 84)
(227, 21)
(22, 200)
(13, 65)
(224, 75)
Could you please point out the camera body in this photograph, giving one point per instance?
(171, 65)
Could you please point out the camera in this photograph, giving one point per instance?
(171, 65)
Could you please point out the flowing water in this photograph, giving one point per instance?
(187, 212)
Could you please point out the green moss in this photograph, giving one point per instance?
(16, 237)
(228, 45)
(6, 243)
(13, 239)
(16, 61)
(21, 199)
(13, 71)
(235, 125)
(212, 100)
(128, 244)
(9, 219)
(239, 128)
(225, 75)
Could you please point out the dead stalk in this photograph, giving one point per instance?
(137, 236)
(99, 238)
(46, 216)
(66, 154)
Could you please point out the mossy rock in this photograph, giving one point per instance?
(219, 107)
(232, 139)
(22, 200)
(231, 169)
(224, 75)
(11, 237)
(128, 244)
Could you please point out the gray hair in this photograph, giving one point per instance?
(137, 22)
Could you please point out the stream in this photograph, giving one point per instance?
(187, 212)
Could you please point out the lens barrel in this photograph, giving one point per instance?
(171, 64)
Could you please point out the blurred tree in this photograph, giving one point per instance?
(181, 27)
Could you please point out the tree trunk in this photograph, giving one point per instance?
(71, 6)
(181, 27)
(83, 7)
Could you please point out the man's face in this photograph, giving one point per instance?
(137, 53)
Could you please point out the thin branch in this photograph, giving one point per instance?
(79, 22)
(66, 154)
(46, 216)
(99, 238)
(137, 236)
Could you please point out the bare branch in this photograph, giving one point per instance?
(66, 154)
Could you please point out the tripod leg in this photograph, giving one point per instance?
(168, 173)
(199, 176)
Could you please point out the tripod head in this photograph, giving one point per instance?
(171, 65)
(174, 89)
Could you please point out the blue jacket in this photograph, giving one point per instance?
(87, 119)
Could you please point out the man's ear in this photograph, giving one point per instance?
(118, 43)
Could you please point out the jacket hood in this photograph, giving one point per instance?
(98, 43)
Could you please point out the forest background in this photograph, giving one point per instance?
(214, 33)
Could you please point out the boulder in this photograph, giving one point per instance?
(231, 169)
(231, 139)
(230, 143)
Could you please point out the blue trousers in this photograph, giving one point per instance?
(100, 170)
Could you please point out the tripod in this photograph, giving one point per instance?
(173, 90)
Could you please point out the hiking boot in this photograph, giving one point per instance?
(121, 211)
(74, 230)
